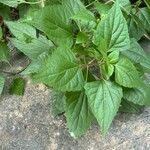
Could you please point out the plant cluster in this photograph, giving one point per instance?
(87, 51)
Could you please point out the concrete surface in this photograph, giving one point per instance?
(26, 123)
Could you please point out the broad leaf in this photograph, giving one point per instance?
(104, 98)
(144, 16)
(136, 54)
(4, 52)
(2, 81)
(102, 8)
(126, 73)
(55, 22)
(58, 99)
(135, 31)
(63, 75)
(27, 41)
(17, 87)
(77, 113)
(113, 29)
(140, 95)
(129, 107)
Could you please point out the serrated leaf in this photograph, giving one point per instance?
(139, 95)
(55, 22)
(58, 99)
(104, 98)
(135, 31)
(78, 114)
(113, 28)
(17, 87)
(126, 73)
(144, 16)
(27, 41)
(2, 82)
(129, 107)
(63, 75)
(136, 54)
(12, 3)
(4, 52)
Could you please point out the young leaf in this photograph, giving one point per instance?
(55, 22)
(129, 107)
(2, 81)
(81, 38)
(107, 70)
(77, 113)
(17, 87)
(113, 57)
(104, 98)
(113, 28)
(4, 52)
(136, 54)
(63, 75)
(126, 73)
(140, 95)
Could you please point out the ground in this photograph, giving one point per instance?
(26, 123)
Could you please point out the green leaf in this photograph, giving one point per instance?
(129, 107)
(135, 31)
(12, 3)
(147, 3)
(137, 55)
(126, 73)
(104, 98)
(113, 57)
(108, 70)
(1, 33)
(2, 82)
(26, 40)
(78, 114)
(63, 75)
(123, 3)
(81, 38)
(85, 15)
(4, 52)
(58, 99)
(113, 28)
(55, 22)
(102, 8)
(17, 87)
(5, 11)
(140, 95)
(144, 16)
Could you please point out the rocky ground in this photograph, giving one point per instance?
(26, 123)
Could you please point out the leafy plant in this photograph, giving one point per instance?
(88, 52)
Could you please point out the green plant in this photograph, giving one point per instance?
(88, 52)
